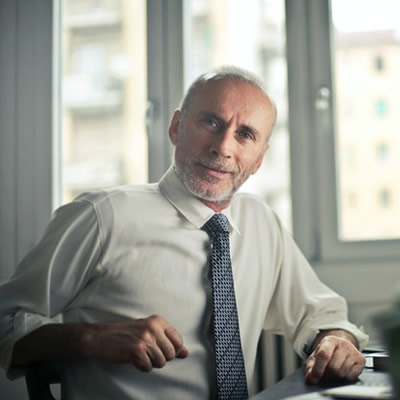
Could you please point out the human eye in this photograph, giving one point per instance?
(212, 122)
(246, 135)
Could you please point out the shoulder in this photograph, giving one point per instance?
(250, 204)
(121, 197)
(118, 193)
(253, 212)
(108, 201)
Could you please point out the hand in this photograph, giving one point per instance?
(146, 343)
(334, 359)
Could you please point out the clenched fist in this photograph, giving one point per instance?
(146, 343)
(334, 358)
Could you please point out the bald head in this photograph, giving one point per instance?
(229, 73)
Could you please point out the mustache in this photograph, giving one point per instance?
(219, 165)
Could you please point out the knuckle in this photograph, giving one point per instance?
(154, 322)
(346, 345)
(323, 354)
(140, 348)
(155, 318)
(145, 336)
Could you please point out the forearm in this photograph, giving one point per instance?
(334, 332)
(146, 343)
(56, 342)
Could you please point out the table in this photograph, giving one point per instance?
(294, 385)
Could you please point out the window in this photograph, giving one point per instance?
(341, 145)
(382, 152)
(259, 46)
(381, 108)
(379, 63)
(104, 92)
(384, 197)
(358, 42)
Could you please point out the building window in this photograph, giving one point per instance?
(384, 198)
(381, 108)
(379, 63)
(382, 152)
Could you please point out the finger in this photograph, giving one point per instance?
(355, 371)
(322, 355)
(183, 352)
(142, 362)
(352, 367)
(166, 347)
(345, 358)
(339, 364)
(176, 340)
(308, 368)
(156, 356)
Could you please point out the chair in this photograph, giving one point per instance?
(39, 377)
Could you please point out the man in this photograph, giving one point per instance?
(128, 269)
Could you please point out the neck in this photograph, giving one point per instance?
(217, 206)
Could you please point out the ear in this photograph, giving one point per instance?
(174, 126)
(260, 160)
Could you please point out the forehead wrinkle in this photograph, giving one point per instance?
(206, 99)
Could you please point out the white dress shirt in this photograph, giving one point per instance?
(134, 251)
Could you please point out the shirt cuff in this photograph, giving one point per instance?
(25, 323)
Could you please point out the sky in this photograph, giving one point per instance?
(366, 15)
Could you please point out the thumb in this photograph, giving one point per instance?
(309, 365)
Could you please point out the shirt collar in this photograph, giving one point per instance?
(188, 205)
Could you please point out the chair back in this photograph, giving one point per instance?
(39, 377)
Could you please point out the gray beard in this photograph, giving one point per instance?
(187, 178)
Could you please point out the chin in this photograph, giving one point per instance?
(215, 195)
(204, 189)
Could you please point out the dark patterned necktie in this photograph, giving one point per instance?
(231, 374)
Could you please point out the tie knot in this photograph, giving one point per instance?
(215, 225)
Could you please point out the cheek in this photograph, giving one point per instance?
(249, 164)
(193, 144)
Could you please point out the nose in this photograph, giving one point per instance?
(223, 143)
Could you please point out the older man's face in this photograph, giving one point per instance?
(221, 139)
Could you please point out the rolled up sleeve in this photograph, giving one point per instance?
(49, 277)
(302, 305)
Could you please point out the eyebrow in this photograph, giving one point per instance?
(211, 114)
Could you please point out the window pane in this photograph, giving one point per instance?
(252, 37)
(104, 94)
(367, 61)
